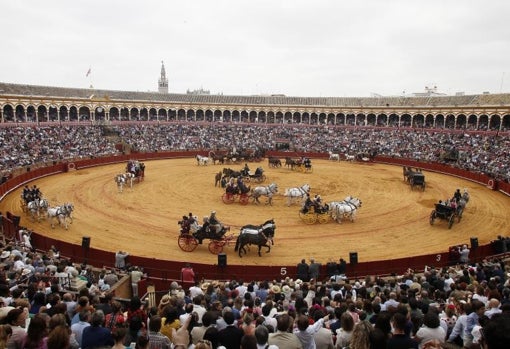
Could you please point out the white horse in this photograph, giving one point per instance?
(129, 177)
(203, 160)
(461, 205)
(120, 179)
(61, 213)
(344, 209)
(34, 210)
(349, 157)
(333, 156)
(267, 191)
(297, 193)
(465, 195)
(58, 214)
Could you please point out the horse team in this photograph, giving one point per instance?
(37, 207)
(135, 172)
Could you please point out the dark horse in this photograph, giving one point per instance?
(260, 235)
(217, 179)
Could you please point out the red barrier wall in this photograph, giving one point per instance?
(162, 271)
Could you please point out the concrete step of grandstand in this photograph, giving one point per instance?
(77, 284)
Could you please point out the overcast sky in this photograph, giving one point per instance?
(236, 47)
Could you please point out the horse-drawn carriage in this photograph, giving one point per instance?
(414, 177)
(136, 168)
(313, 215)
(274, 162)
(302, 165)
(445, 212)
(231, 197)
(192, 234)
(257, 177)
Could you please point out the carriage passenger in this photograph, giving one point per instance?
(317, 203)
(214, 224)
(231, 187)
(185, 225)
(259, 171)
(308, 203)
(242, 187)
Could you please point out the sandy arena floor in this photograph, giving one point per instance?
(392, 223)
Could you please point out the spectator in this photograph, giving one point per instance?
(187, 276)
(36, 333)
(119, 335)
(120, 259)
(496, 333)
(16, 319)
(96, 335)
(344, 333)
(198, 332)
(302, 271)
(59, 338)
(464, 254)
(430, 330)
(314, 270)
(230, 336)
(77, 328)
(136, 319)
(306, 332)
(156, 338)
(399, 339)
(136, 275)
(282, 338)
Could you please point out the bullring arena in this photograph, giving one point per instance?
(391, 225)
(393, 221)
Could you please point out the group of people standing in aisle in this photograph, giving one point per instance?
(312, 271)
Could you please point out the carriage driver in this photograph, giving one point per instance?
(246, 170)
(457, 195)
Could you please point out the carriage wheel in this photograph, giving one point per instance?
(323, 218)
(216, 247)
(308, 218)
(187, 243)
(432, 217)
(244, 199)
(228, 198)
(450, 221)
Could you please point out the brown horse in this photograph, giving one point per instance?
(217, 179)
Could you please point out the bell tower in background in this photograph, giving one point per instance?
(163, 81)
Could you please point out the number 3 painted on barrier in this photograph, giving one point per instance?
(438, 257)
(283, 271)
